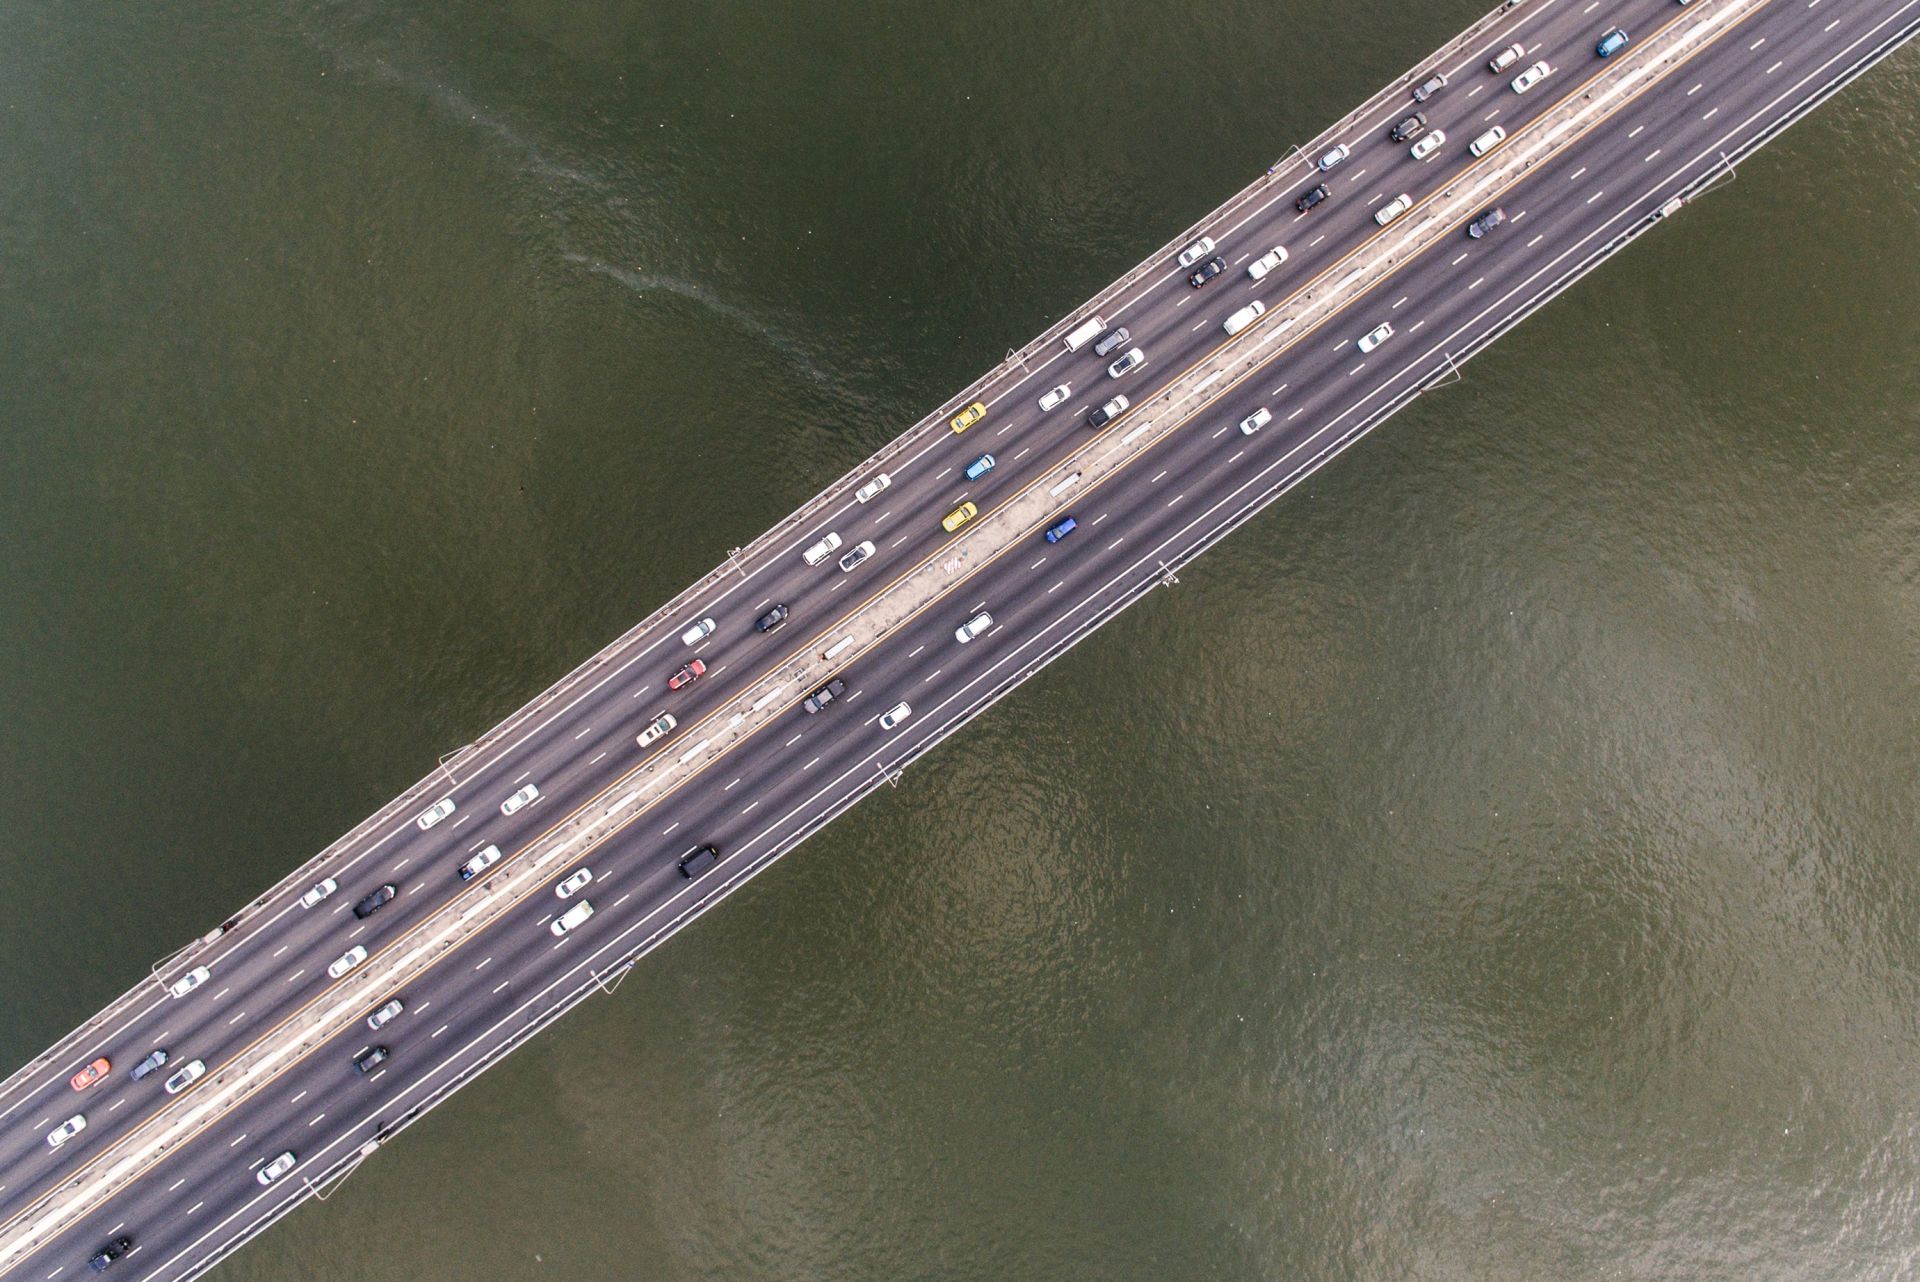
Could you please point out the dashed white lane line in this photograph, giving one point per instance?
(436, 1032)
(577, 738)
(1756, 44)
(1157, 477)
(750, 805)
(505, 983)
(1236, 456)
(1116, 543)
(417, 889)
(811, 764)
(1276, 391)
(523, 776)
(730, 787)
(668, 830)
(296, 974)
(883, 516)
(1396, 306)
(283, 948)
(1476, 89)
(316, 1119)
(1356, 369)
(403, 863)
(1477, 282)
(1490, 115)
(916, 651)
(1775, 67)
(176, 1184)
(1316, 240)
(1590, 8)
(796, 739)
(1650, 155)
(1196, 325)
(1296, 414)
(1056, 587)
(56, 1271)
(1575, 175)
(1596, 195)
(1636, 131)
(1003, 431)
(897, 542)
(1216, 436)
(941, 474)
(1023, 453)
(1517, 217)
(463, 819)
(223, 992)
(930, 676)
(1096, 520)
(1416, 325)
(1696, 89)
(596, 760)
(296, 1099)
(236, 1019)
(1456, 262)
(421, 1009)
(483, 963)
(1710, 113)
(1037, 564)
(623, 899)
(116, 1104)
(236, 1139)
(1175, 499)
(1831, 25)
(196, 1206)
(1536, 240)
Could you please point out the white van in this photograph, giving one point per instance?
(1245, 316)
(820, 551)
(1487, 141)
(1086, 333)
(572, 918)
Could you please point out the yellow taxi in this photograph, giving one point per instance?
(969, 416)
(959, 517)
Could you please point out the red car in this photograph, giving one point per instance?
(89, 1075)
(686, 675)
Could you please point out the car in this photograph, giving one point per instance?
(860, 552)
(688, 674)
(66, 1130)
(1207, 271)
(373, 903)
(276, 1168)
(1310, 199)
(107, 1254)
(1506, 58)
(825, 695)
(1244, 317)
(1375, 336)
(1428, 145)
(959, 517)
(1339, 152)
(1531, 76)
(1611, 43)
(318, 891)
(1112, 339)
(189, 1073)
(772, 621)
(386, 1014)
(1266, 263)
(872, 488)
(1196, 251)
(1056, 398)
(188, 982)
(370, 1059)
(893, 716)
(1486, 222)
(571, 886)
(1133, 360)
(1487, 141)
(821, 549)
(520, 800)
(1255, 421)
(156, 1059)
(697, 633)
(571, 919)
(973, 627)
(980, 467)
(969, 416)
(698, 860)
(1432, 85)
(1393, 209)
(435, 813)
(664, 725)
(1110, 411)
(1408, 128)
(90, 1074)
(1061, 529)
(346, 961)
(487, 858)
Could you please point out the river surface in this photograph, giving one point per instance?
(1499, 861)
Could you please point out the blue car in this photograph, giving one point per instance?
(1611, 43)
(980, 467)
(1061, 529)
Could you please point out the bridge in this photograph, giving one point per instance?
(1371, 306)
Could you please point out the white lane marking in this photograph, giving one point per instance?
(1235, 457)
(504, 983)
(1596, 195)
(1456, 262)
(750, 806)
(1536, 240)
(729, 787)
(577, 738)
(1003, 431)
(403, 863)
(1116, 543)
(897, 542)
(1477, 282)
(236, 1139)
(223, 992)
(1396, 306)
(668, 830)
(1296, 414)
(1775, 67)
(1276, 391)
(1056, 587)
(1316, 240)
(596, 760)
(623, 899)
(296, 974)
(116, 1104)
(1756, 44)
(1023, 453)
(276, 952)
(1476, 89)
(796, 739)
(1196, 326)
(1522, 214)
(1175, 499)
(1156, 479)
(1096, 520)
(176, 1184)
(811, 764)
(421, 1009)
(417, 889)
(1575, 175)
(296, 1099)
(316, 1119)
(1693, 91)
(1709, 115)
(483, 963)
(236, 1019)
(1223, 428)
(889, 512)
(1635, 131)
(1651, 155)
(941, 474)
(462, 819)
(1416, 325)
(436, 1032)
(930, 676)
(1037, 564)
(196, 1206)
(1356, 369)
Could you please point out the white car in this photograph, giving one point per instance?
(1428, 145)
(435, 813)
(1339, 153)
(697, 633)
(276, 1168)
(973, 627)
(189, 1074)
(1376, 336)
(658, 730)
(1487, 141)
(1244, 317)
(893, 716)
(347, 961)
(520, 799)
(1255, 421)
(66, 1130)
(873, 487)
(1531, 76)
(825, 547)
(861, 551)
(571, 886)
(321, 889)
(1196, 251)
(1260, 266)
(386, 1014)
(1056, 398)
(188, 982)
(1506, 58)
(487, 858)
(571, 919)
(1393, 209)
(1133, 360)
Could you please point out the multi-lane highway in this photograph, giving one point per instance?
(193, 1203)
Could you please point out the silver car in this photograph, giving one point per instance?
(386, 1014)
(321, 889)
(973, 627)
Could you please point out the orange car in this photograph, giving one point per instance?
(89, 1075)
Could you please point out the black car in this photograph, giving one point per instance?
(1411, 127)
(1110, 340)
(1312, 198)
(1486, 223)
(373, 903)
(371, 1059)
(698, 860)
(155, 1059)
(109, 1253)
(1207, 271)
(771, 620)
(824, 695)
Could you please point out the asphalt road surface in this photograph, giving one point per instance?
(193, 1206)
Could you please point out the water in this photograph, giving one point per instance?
(1495, 862)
